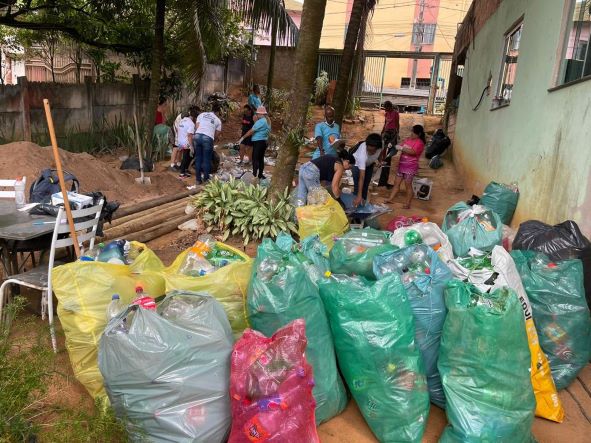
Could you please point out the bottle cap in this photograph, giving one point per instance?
(327, 274)
(115, 297)
(139, 289)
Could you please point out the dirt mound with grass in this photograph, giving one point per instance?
(28, 159)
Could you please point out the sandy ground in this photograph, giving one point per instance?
(349, 427)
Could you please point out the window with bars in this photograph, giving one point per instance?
(422, 83)
(508, 66)
(423, 33)
(577, 58)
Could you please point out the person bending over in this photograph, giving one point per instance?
(366, 155)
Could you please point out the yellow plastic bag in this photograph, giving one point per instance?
(84, 290)
(147, 260)
(327, 220)
(228, 285)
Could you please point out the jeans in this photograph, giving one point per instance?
(366, 181)
(308, 178)
(258, 157)
(203, 155)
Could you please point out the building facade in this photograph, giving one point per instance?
(523, 100)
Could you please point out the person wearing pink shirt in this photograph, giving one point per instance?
(410, 152)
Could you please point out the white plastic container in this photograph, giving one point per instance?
(20, 197)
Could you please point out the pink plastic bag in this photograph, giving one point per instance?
(271, 388)
(401, 221)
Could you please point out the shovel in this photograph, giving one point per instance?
(141, 179)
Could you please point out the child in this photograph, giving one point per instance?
(410, 151)
(247, 124)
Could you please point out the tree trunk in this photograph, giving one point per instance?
(346, 64)
(271, 72)
(295, 114)
(157, 58)
(357, 70)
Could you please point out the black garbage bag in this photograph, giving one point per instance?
(563, 241)
(439, 143)
(107, 212)
(134, 163)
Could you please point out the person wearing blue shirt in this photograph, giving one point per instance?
(259, 135)
(326, 133)
(254, 99)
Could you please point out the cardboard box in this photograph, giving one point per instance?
(77, 201)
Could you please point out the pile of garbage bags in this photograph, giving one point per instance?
(253, 350)
(281, 291)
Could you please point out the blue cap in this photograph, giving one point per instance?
(115, 297)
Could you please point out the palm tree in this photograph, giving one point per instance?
(295, 114)
(360, 12)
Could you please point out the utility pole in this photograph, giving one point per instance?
(418, 43)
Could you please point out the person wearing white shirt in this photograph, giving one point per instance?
(366, 155)
(207, 129)
(185, 135)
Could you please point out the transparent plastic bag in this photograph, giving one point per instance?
(168, 376)
(227, 284)
(84, 290)
(470, 227)
(484, 364)
(353, 252)
(496, 271)
(560, 312)
(374, 336)
(425, 293)
(430, 234)
(281, 290)
(271, 388)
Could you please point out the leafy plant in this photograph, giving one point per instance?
(321, 88)
(236, 208)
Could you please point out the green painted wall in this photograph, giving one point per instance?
(542, 140)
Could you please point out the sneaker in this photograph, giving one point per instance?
(185, 175)
(262, 177)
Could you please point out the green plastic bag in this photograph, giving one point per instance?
(560, 311)
(280, 291)
(484, 364)
(502, 199)
(374, 335)
(314, 255)
(353, 252)
(472, 227)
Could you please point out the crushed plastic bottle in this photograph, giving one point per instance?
(144, 300)
(19, 193)
(267, 269)
(318, 196)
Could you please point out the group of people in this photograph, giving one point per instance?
(331, 158)
(196, 133)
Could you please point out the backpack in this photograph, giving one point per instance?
(48, 184)
(439, 144)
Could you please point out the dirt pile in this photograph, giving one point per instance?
(28, 159)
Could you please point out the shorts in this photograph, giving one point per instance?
(407, 176)
(247, 142)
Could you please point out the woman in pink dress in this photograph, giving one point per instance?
(410, 151)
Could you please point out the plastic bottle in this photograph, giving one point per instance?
(19, 193)
(267, 269)
(114, 308)
(412, 237)
(196, 265)
(144, 300)
(113, 253)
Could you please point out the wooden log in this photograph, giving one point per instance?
(168, 206)
(144, 222)
(142, 206)
(157, 231)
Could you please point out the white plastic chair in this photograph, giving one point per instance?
(40, 277)
(10, 184)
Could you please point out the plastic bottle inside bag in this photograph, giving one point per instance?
(267, 269)
(114, 308)
(195, 264)
(112, 253)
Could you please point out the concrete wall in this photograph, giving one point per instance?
(542, 139)
(76, 107)
(284, 60)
